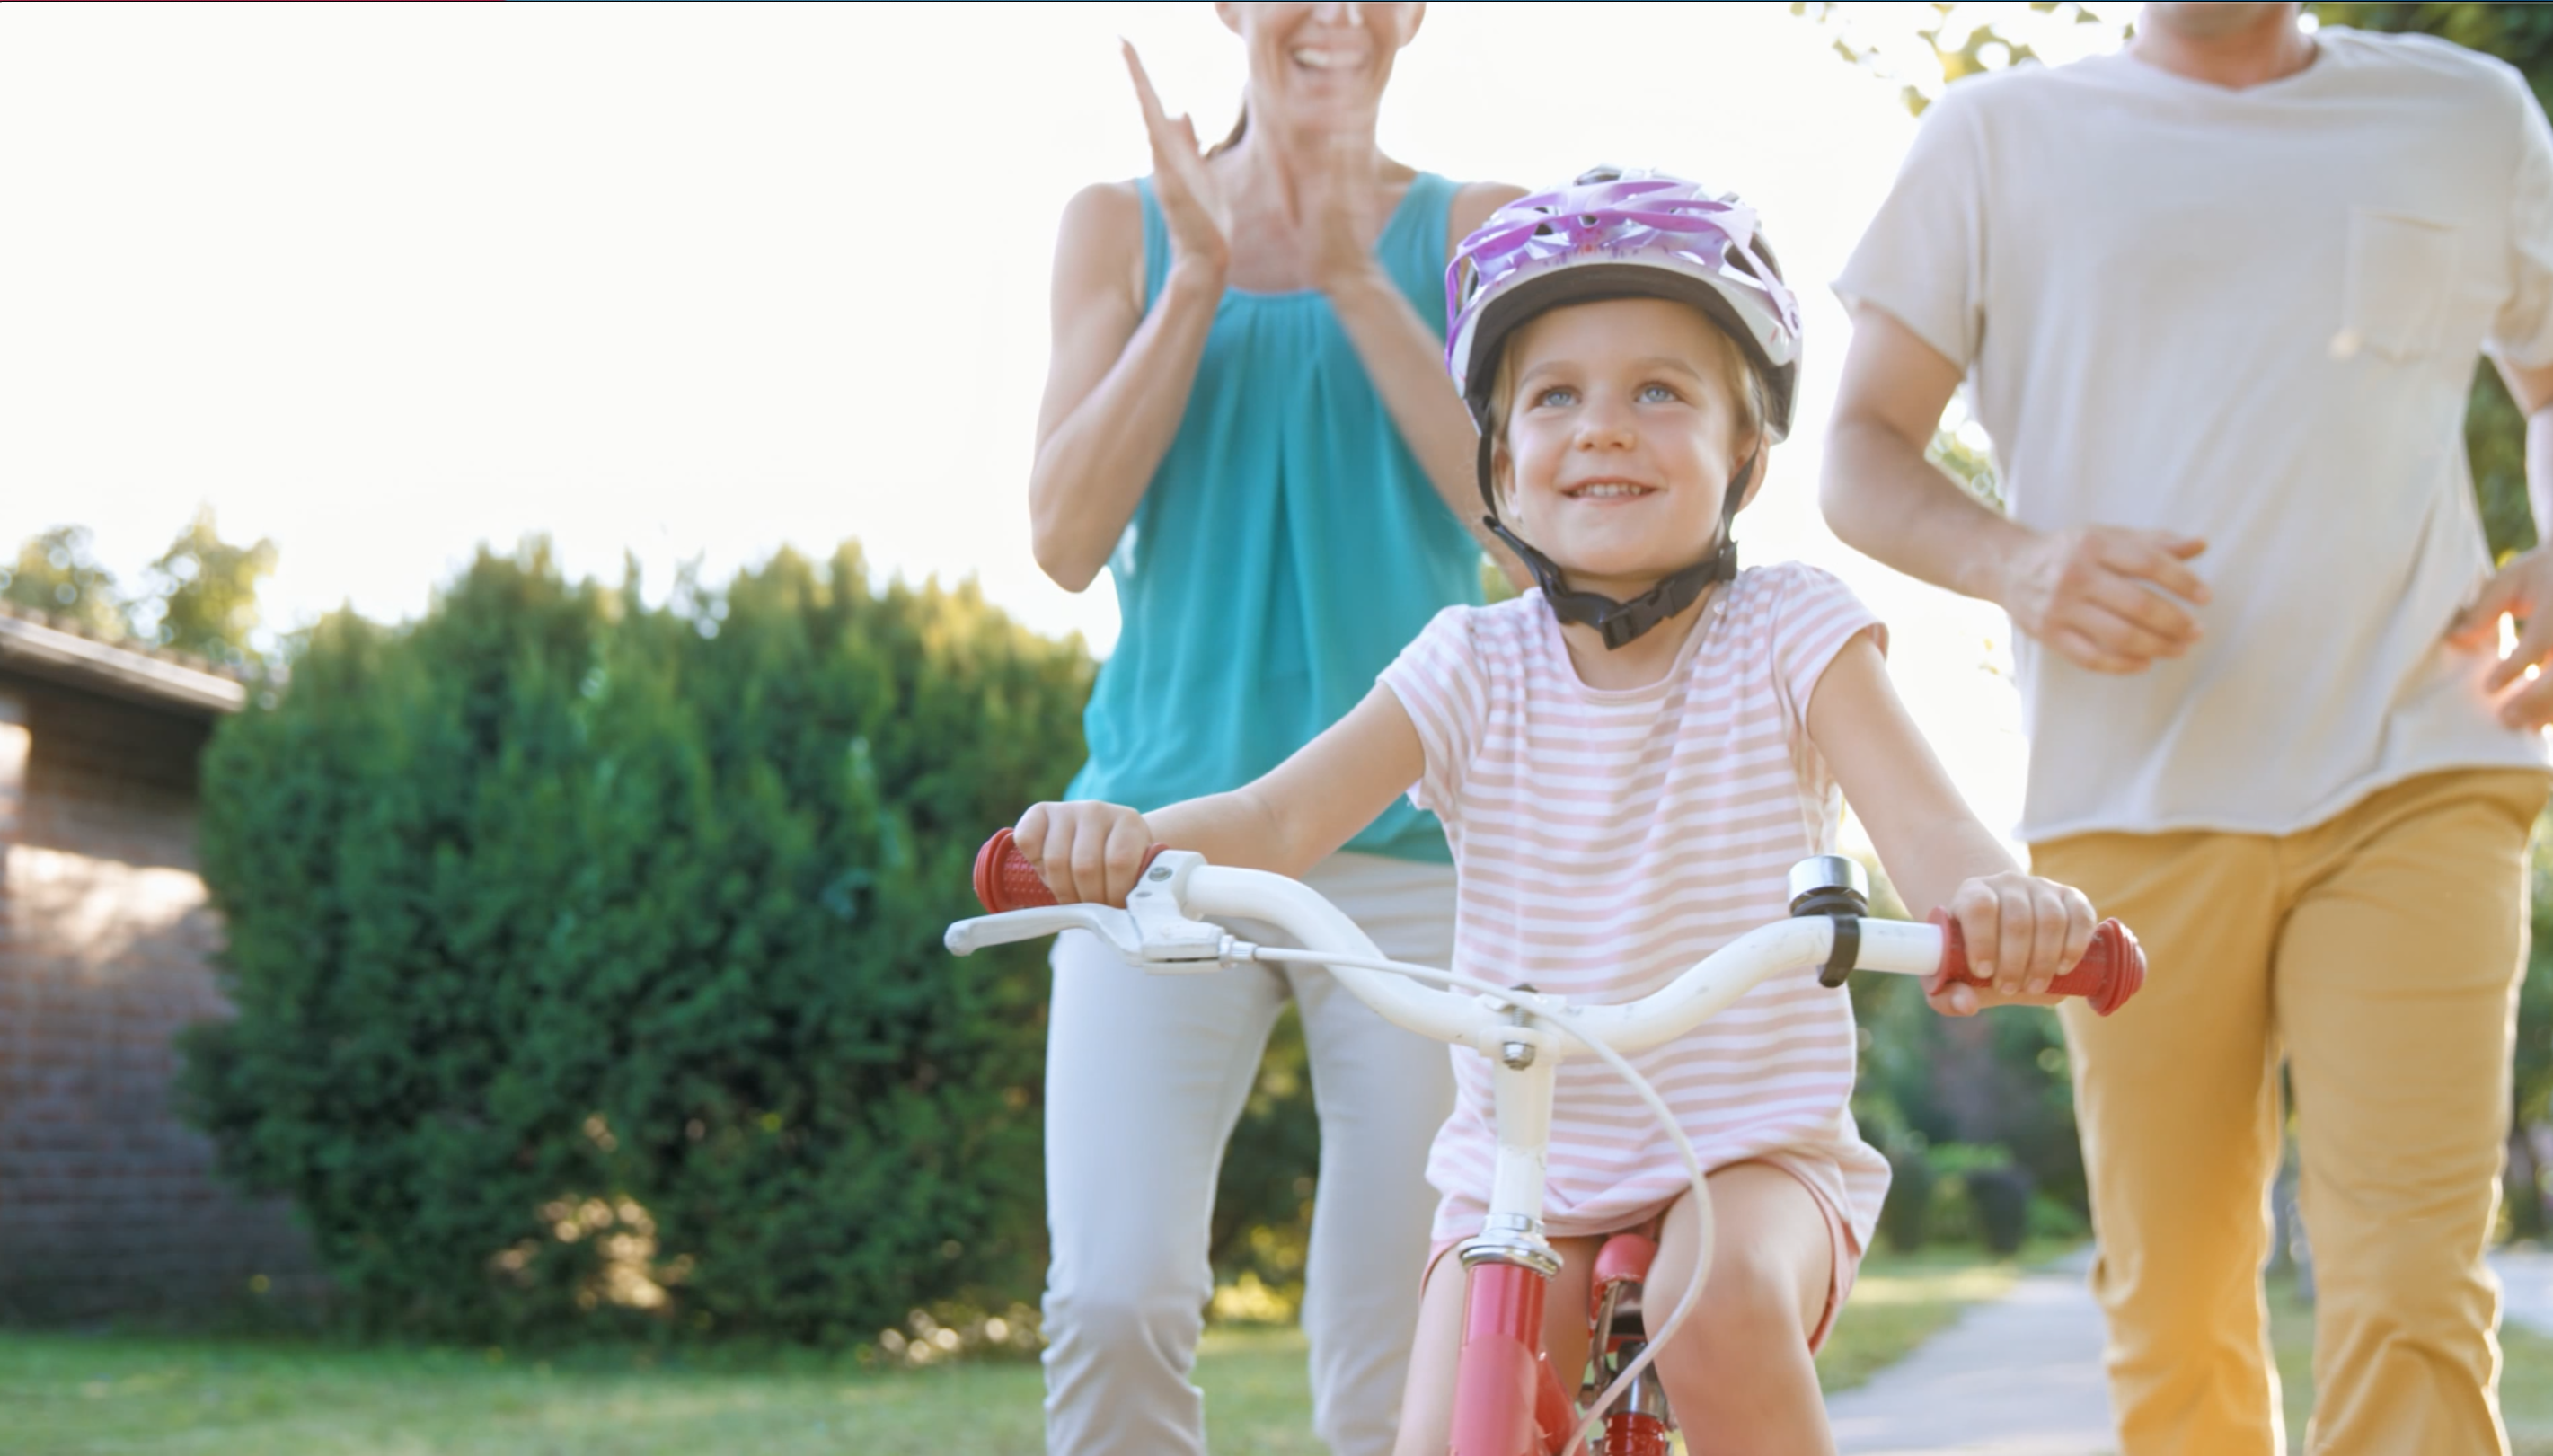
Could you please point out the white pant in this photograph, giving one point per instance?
(1144, 1078)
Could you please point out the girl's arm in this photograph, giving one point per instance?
(2022, 931)
(1286, 821)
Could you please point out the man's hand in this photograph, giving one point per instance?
(2103, 596)
(2107, 598)
(2523, 588)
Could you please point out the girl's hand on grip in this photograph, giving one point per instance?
(2022, 931)
(1085, 851)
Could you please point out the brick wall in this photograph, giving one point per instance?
(107, 1205)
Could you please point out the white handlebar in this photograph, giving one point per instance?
(1159, 929)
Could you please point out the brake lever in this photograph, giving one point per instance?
(1149, 933)
(1116, 927)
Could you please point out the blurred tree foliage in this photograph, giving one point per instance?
(587, 954)
(1935, 1083)
(1263, 1201)
(203, 595)
(1924, 48)
(57, 575)
(198, 598)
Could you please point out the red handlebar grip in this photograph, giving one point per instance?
(1005, 880)
(2111, 971)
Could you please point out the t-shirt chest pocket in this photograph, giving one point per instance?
(2397, 279)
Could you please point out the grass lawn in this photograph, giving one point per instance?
(101, 1393)
(1900, 1300)
(127, 1392)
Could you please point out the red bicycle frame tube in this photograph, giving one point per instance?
(1503, 1368)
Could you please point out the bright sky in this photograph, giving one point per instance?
(383, 281)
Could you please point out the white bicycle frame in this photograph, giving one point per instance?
(1526, 1034)
(1166, 927)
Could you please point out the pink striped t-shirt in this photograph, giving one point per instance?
(1606, 841)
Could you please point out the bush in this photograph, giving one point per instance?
(1906, 1217)
(2001, 1198)
(1998, 1080)
(1963, 1193)
(2054, 1222)
(586, 956)
(1261, 1231)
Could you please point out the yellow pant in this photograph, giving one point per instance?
(2378, 953)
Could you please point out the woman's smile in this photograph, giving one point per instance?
(1329, 56)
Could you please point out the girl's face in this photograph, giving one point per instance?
(1318, 65)
(1620, 439)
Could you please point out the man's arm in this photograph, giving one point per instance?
(2108, 598)
(2523, 588)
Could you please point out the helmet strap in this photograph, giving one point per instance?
(1621, 623)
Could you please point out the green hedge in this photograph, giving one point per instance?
(587, 956)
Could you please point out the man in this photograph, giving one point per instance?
(2219, 299)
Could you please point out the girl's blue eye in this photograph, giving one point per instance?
(1658, 395)
(1558, 395)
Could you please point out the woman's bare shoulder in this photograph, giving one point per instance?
(1102, 236)
(1104, 213)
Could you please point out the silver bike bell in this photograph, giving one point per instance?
(1829, 884)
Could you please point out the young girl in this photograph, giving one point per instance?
(1627, 761)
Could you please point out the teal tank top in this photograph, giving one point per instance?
(1284, 552)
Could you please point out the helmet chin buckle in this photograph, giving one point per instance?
(1621, 624)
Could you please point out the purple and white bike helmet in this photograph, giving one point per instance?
(1615, 233)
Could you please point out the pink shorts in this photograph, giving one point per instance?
(1844, 1265)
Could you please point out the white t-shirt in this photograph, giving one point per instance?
(2251, 316)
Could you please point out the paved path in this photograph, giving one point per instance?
(2020, 1377)
(2526, 1277)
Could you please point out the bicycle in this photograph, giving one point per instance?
(1508, 1400)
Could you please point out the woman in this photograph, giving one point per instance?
(1248, 423)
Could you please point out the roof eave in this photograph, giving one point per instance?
(67, 657)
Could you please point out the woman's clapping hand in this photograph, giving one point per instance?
(1336, 184)
(1192, 203)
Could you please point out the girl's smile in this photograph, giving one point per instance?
(1609, 490)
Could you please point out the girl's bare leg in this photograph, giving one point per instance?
(1739, 1373)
